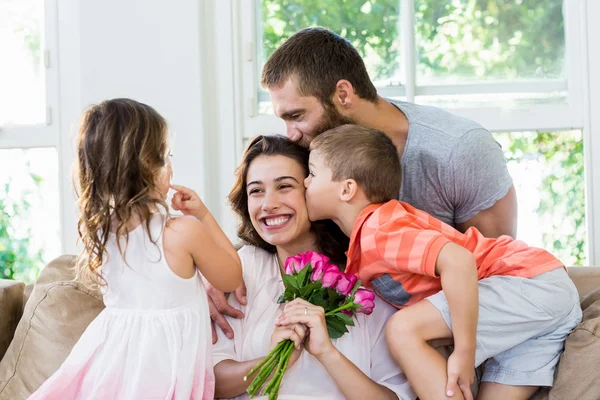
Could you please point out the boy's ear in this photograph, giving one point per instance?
(348, 190)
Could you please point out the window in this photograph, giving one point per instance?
(30, 232)
(513, 66)
(22, 98)
(547, 170)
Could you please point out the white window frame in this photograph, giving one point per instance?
(47, 134)
(574, 114)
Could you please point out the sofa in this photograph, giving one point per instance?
(39, 324)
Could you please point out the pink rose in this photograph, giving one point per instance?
(346, 283)
(318, 262)
(318, 270)
(366, 299)
(347, 312)
(295, 264)
(319, 267)
(331, 275)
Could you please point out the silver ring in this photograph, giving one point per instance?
(305, 310)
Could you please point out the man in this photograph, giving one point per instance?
(452, 167)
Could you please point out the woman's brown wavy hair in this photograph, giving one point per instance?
(331, 240)
(122, 150)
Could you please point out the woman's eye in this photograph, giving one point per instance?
(253, 191)
(285, 186)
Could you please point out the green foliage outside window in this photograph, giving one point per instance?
(19, 259)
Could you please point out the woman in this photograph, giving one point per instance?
(269, 198)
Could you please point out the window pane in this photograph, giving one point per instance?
(22, 97)
(370, 25)
(480, 40)
(548, 173)
(29, 212)
(505, 100)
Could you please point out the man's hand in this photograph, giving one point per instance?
(461, 373)
(217, 306)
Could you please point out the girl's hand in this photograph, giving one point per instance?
(296, 333)
(301, 311)
(188, 202)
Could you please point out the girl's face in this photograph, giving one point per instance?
(165, 177)
(276, 201)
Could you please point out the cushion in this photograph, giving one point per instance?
(577, 373)
(57, 312)
(11, 309)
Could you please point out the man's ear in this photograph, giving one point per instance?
(344, 94)
(348, 190)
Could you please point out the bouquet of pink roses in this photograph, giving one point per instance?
(311, 277)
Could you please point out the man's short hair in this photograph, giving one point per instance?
(318, 58)
(364, 154)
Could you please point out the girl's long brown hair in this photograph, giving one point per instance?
(122, 149)
(331, 240)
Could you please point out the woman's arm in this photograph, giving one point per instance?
(350, 380)
(229, 377)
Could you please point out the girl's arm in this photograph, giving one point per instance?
(221, 268)
(189, 203)
(209, 247)
(350, 380)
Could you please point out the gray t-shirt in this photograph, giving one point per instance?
(452, 167)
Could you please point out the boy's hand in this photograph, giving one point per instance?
(188, 202)
(461, 373)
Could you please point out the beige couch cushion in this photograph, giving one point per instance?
(577, 373)
(56, 314)
(11, 309)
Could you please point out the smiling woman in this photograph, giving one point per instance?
(269, 199)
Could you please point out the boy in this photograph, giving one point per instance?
(498, 298)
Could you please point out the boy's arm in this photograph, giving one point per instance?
(457, 270)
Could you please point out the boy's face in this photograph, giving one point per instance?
(322, 193)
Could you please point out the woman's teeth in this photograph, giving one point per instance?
(276, 221)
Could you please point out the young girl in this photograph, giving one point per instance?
(153, 340)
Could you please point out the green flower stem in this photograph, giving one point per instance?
(263, 375)
(285, 355)
(343, 307)
(275, 392)
(271, 354)
(266, 367)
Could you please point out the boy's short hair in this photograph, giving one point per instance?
(364, 154)
(318, 59)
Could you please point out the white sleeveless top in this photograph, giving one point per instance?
(152, 341)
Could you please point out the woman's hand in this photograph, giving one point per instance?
(188, 202)
(301, 311)
(296, 333)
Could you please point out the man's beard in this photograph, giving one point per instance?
(331, 119)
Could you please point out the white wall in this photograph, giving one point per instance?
(161, 53)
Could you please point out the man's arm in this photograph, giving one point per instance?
(500, 219)
(481, 189)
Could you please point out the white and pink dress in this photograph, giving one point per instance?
(153, 339)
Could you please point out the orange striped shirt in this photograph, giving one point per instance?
(394, 249)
